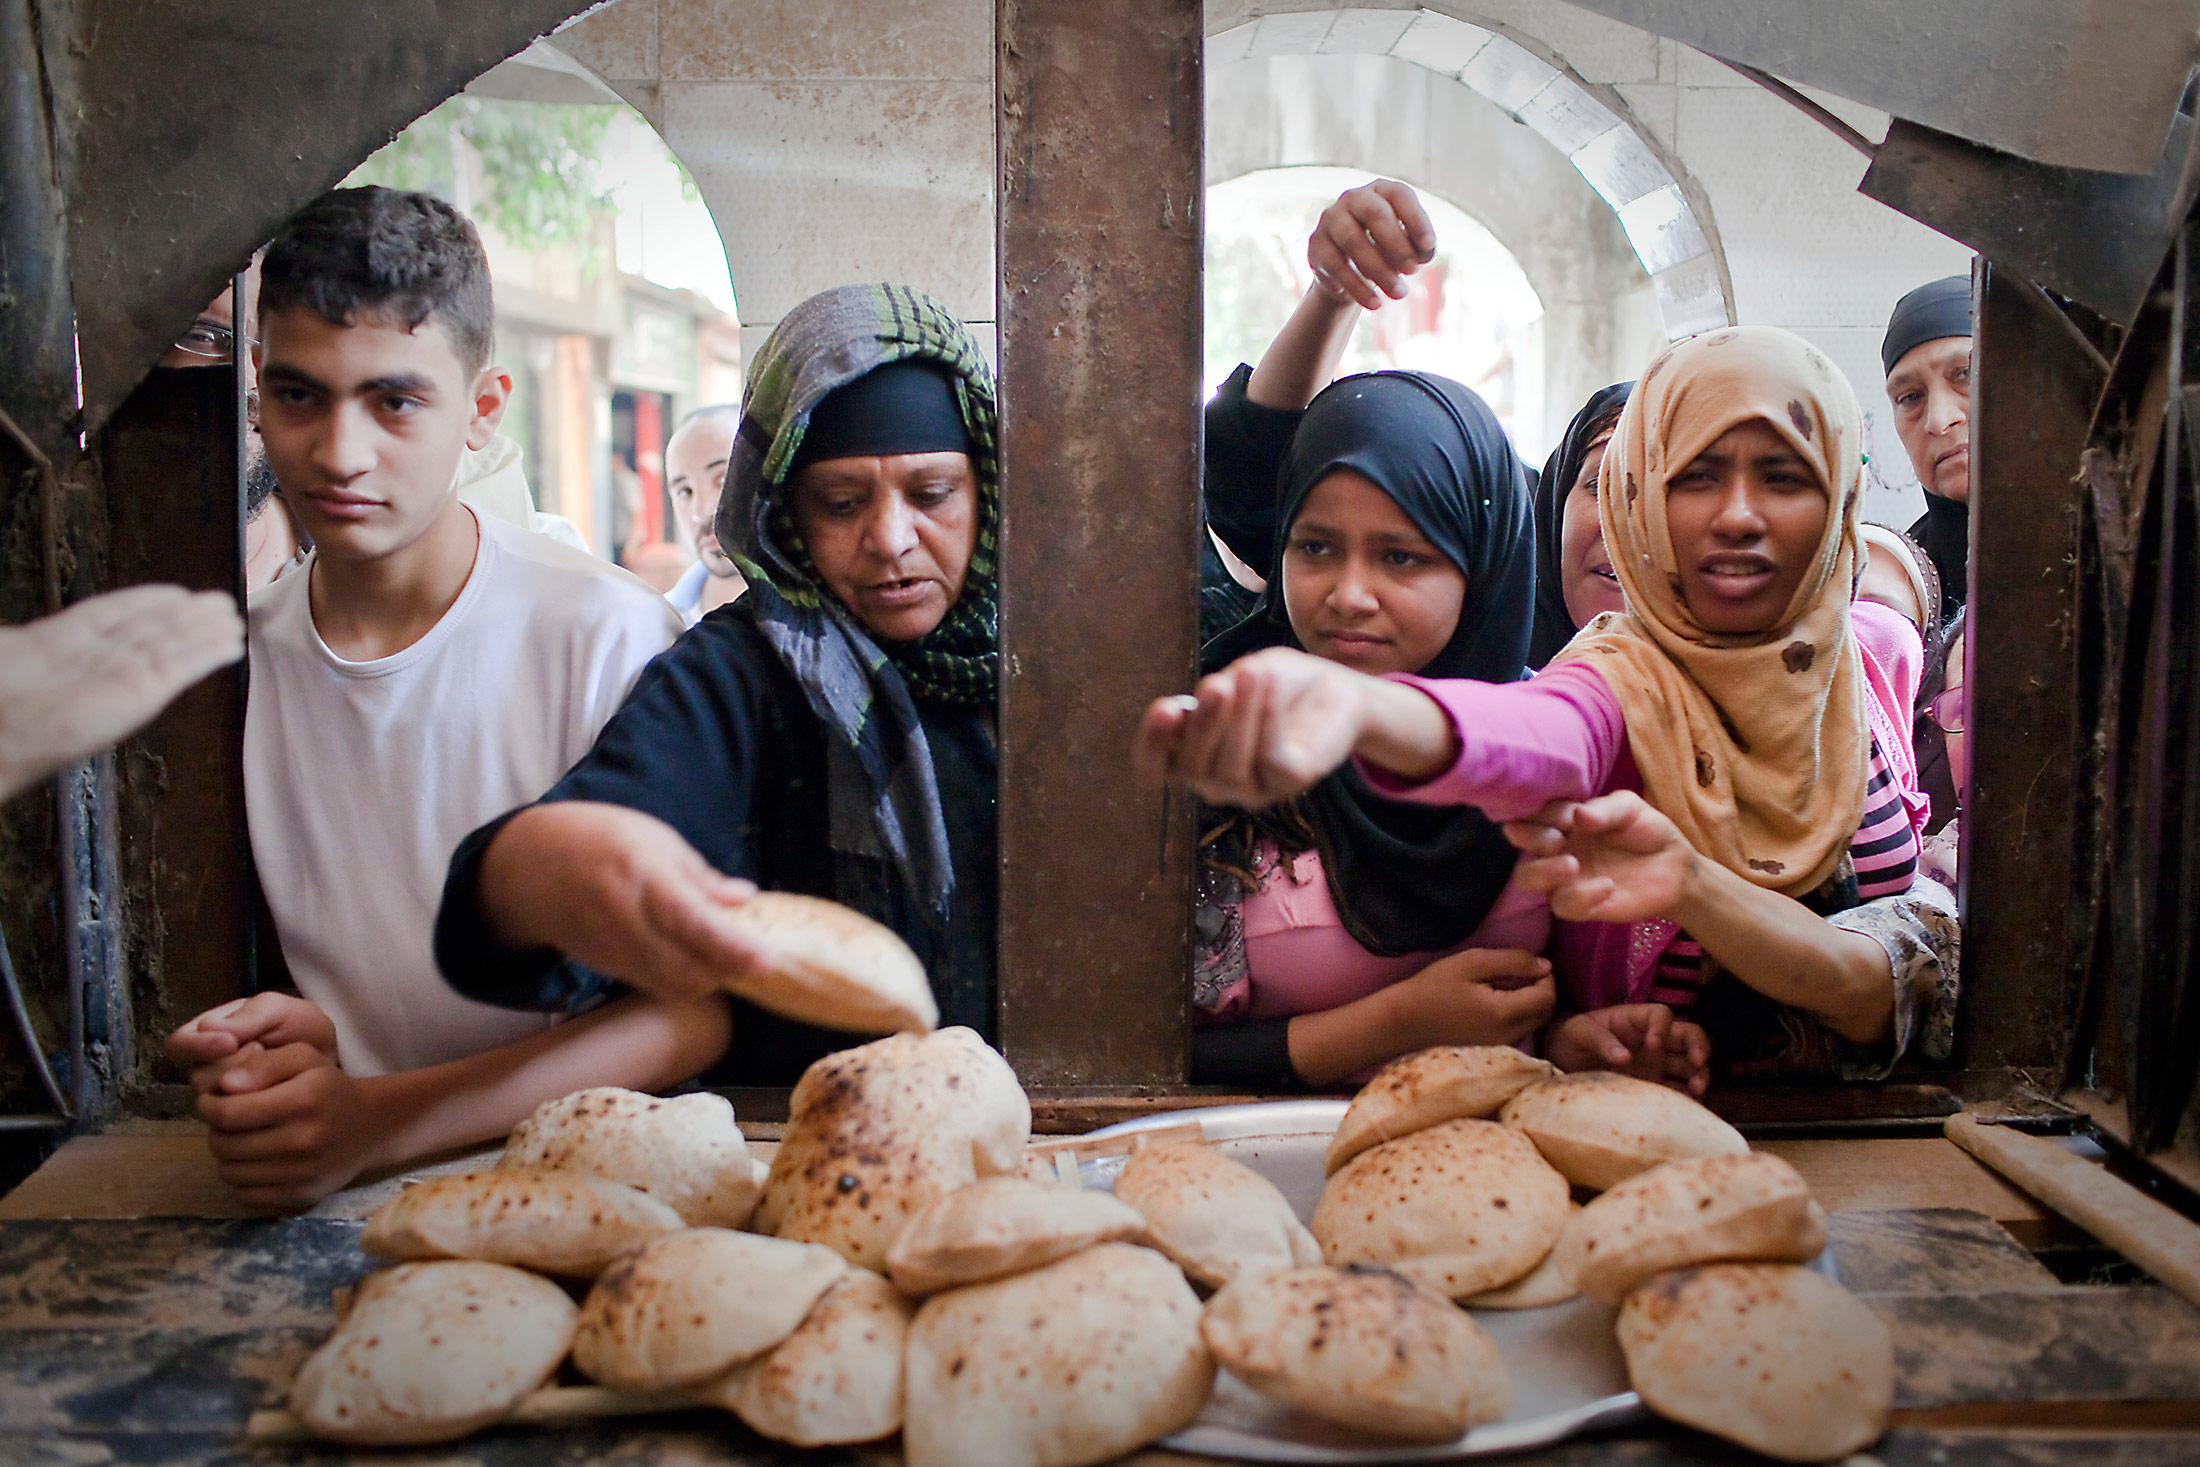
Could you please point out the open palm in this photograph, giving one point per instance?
(74, 682)
(1611, 859)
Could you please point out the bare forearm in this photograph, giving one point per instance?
(1327, 1046)
(517, 872)
(636, 1042)
(1304, 356)
(1789, 953)
(1405, 731)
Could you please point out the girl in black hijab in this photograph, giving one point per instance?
(1344, 928)
(1573, 577)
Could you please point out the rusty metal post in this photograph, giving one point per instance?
(2037, 381)
(170, 460)
(1100, 147)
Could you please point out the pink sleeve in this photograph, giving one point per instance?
(1894, 661)
(1521, 745)
(1894, 650)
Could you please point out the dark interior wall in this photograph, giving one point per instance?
(192, 128)
(147, 147)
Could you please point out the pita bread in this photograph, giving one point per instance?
(683, 1150)
(1751, 1207)
(836, 1380)
(1071, 1364)
(879, 1132)
(557, 1222)
(1539, 1287)
(1776, 1357)
(997, 1226)
(694, 1304)
(1461, 1208)
(1600, 1128)
(1363, 1348)
(432, 1351)
(831, 966)
(1217, 1219)
(1450, 1083)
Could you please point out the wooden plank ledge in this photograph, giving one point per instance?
(2156, 1237)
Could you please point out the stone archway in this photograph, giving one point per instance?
(1381, 115)
(1667, 222)
(846, 142)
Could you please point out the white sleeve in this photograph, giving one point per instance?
(634, 629)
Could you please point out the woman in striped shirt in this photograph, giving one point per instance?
(1724, 759)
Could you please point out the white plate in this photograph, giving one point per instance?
(1568, 1375)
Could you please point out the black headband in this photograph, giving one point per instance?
(907, 406)
(1927, 313)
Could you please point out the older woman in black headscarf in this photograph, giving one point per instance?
(1927, 357)
(830, 733)
(1343, 928)
(1573, 575)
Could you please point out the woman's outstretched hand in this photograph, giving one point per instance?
(1610, 859)
(1368, 241)
(620, 891)
(1274, 724)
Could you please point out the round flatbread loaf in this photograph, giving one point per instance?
(1538, 1288)
(836, 1380)
(1711, 1209)
(1364, 1348)
(1452, 1082)
(878, 1133)
(1776, 1357)
(694, 1304)
(1216, 1218)
(1460, 1208)
(1600, 1128)
(683, 1150)
(1075, 1363)
(997, 1226)
(832, 966)
(566, 1223)
(432, 1351)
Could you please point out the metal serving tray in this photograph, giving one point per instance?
(1567, 1372)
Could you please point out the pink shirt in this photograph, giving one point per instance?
(1302, 960)
(1562, 736)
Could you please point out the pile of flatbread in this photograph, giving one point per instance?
(1456, 1168)
(896, 1270)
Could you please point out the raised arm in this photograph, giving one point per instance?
(1362, 249)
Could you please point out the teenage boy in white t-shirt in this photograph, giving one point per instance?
(425, 670)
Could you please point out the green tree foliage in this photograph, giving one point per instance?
(540, 165)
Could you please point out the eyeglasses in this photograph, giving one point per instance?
(210, 339)
(1946, 711)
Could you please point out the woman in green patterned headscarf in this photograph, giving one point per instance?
(829, 733)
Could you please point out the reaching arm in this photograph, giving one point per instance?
(618, 890)
(1616, 859)
(1274, 724)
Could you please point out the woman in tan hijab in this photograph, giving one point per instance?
(1700, 778)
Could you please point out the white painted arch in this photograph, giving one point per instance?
(1667, 221)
